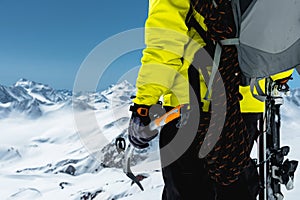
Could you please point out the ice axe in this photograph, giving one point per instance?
(156, 124)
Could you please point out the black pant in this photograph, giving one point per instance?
(187, 177)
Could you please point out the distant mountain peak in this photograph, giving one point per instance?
(27, 84)
(23, 82)
(35, 99)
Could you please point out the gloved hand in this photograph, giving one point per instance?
(139, 133)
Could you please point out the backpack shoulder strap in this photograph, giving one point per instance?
(193, 71)
(192, 22)
(260, 94)
(210, 48)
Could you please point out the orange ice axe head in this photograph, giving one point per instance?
(173, 114)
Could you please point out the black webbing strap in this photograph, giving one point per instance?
(194, 81)
(193, 71)
(192, 22)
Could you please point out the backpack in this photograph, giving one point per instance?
(267, 39)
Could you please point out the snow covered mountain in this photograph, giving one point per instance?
(34, 99)
(43, 93)
(43, 156)
(28, 97)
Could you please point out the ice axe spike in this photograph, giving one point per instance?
(126, 168)
(121, 146)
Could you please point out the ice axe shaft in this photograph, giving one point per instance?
(126, 167)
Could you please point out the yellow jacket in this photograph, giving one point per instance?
(170, 49)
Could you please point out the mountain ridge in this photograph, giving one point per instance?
(33, 99)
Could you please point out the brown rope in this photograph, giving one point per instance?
(231, 154)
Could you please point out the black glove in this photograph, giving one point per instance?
(139, 133)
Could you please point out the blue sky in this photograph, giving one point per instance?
(47, 40)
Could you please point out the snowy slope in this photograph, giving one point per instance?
(36, 155)
(46, 157)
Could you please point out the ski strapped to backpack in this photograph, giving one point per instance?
(267, 40)
(274, 169)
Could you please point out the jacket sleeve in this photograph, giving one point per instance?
(166, 35)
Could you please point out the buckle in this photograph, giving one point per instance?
(144, 112)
